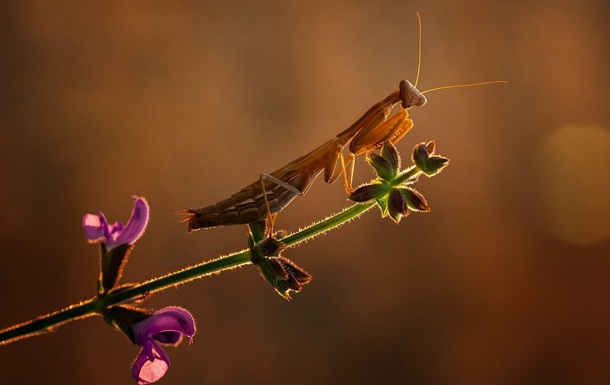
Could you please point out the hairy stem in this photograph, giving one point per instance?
(95, 306)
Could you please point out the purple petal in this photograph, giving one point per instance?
(97, 229)
(92, 226)
(135, 226)
(171, 337)
(115, 229)
(165, 325)
(147, 371)
(107, 229)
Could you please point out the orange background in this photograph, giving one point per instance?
(506, 281)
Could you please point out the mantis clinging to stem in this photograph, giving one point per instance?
(270, 194)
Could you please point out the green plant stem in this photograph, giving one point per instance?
(329, 223)
(95, 306)
(49, 322)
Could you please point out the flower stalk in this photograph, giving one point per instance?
(391, 191)
(94, 306)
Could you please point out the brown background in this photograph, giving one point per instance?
(506, 281)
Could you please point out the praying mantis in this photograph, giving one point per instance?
(271, 193)
(274, 191)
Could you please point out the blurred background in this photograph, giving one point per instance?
(506, 281)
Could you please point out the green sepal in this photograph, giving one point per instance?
(123, 316)
(112, 264)
(257, 232)
(383, 205)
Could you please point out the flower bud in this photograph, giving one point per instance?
(397, 205)
(420, 156)
(283, 274)
(369, 192)
(435, 164)
(389, 153)
(424, 160)
(383, 168)
(414, 200)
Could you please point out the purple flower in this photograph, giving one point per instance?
(97, 228)
(165, 326)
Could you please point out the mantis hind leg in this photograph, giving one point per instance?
(348, 175)
(272, 216)
(348, 178)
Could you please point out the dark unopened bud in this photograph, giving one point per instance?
(369, 192)
(284, 275)
(435, 164)
(415, 201)
(429, 164)
(383, 168)
(389, 153)
(420, 156)
(397, 205)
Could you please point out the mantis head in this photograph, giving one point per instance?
(411, 96)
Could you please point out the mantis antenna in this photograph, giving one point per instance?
(419, 49)
(465, 85)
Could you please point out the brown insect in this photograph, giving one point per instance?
(272, 192)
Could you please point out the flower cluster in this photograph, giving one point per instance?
(144, 328)
(283, 274)
(392, 190)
